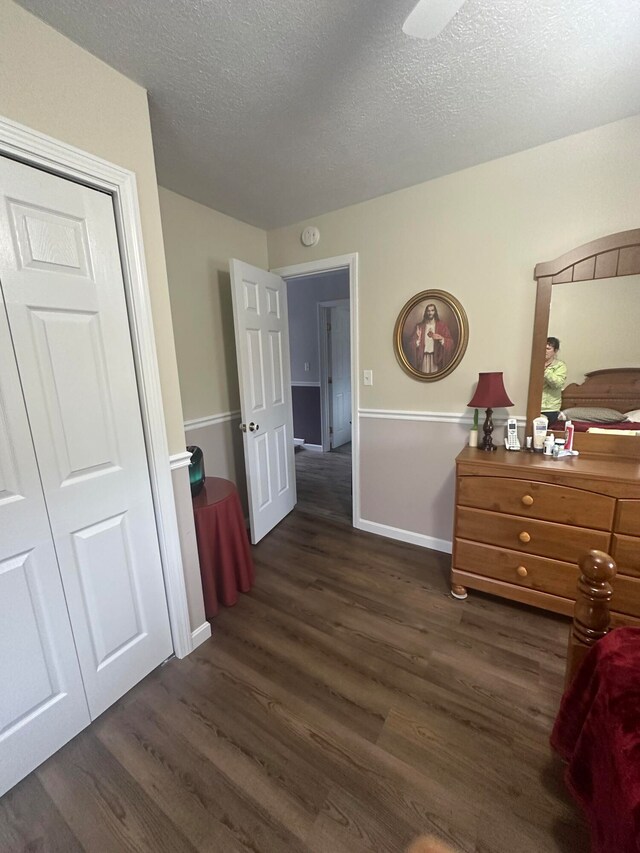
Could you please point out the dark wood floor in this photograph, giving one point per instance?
(347, 704)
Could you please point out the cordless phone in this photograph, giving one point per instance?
(511, 441)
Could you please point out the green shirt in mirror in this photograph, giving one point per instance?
(555, 377)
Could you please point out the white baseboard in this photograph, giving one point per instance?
(200, 635)
(317, 448)
(410, 536)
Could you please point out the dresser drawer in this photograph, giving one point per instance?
(628, 518)
(539, 574)
(625, 550)
(543, 501)
(526, 570)
(626, 595)
(526, 535)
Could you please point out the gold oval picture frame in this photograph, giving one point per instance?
(431, 335)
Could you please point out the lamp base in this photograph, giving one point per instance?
(487, 428)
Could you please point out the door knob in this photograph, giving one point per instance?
(253, 427)
(242, 427)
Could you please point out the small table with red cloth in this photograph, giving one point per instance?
(597, 732)
(226, 565)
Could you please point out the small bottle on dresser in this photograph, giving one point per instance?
(558, 447)
(568, 435)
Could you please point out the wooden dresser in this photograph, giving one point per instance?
(523, 520)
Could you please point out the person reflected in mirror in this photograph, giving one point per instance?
(555, 377)
(432, 341)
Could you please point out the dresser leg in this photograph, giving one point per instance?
(458, 591)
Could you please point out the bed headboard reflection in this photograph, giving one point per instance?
(614, 388)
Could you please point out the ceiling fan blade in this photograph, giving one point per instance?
(430, 17)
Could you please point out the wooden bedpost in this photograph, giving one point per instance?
(591, 619)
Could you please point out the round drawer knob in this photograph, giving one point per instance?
(527, 500)
(524, 537)
(522, 572)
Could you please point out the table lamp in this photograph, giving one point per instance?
(490, 394)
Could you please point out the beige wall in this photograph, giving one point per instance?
(477, 234)
(413, 486)
(198, 244)
(188, 546)
(223, 453)
(597, 323)
(51, 85)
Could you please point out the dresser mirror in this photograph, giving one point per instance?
(589, 298)
(597, 323)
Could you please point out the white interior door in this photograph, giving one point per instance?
(264, 373)
(340, 373)
(62, 282)
(42, 701)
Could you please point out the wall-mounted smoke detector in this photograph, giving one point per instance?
(310, 236)
(430, 17)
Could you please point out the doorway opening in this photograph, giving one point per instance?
(322, 385)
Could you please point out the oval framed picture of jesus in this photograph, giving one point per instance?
(431, 335)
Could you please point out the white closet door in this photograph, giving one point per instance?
(42, 701)
(62, 280)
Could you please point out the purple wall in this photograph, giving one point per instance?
(306, 413)
(303, 295)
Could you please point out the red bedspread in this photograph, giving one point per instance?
(583, 426)
(597, 732)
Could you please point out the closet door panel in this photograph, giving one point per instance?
(42, 700)
(68, 316)
(70, 356)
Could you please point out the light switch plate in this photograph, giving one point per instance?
(367, 377)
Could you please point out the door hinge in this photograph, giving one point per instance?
(330, 381)
(328, 327)
(330, 430)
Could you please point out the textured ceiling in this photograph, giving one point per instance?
(273, 111)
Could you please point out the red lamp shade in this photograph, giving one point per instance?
(490, 393)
